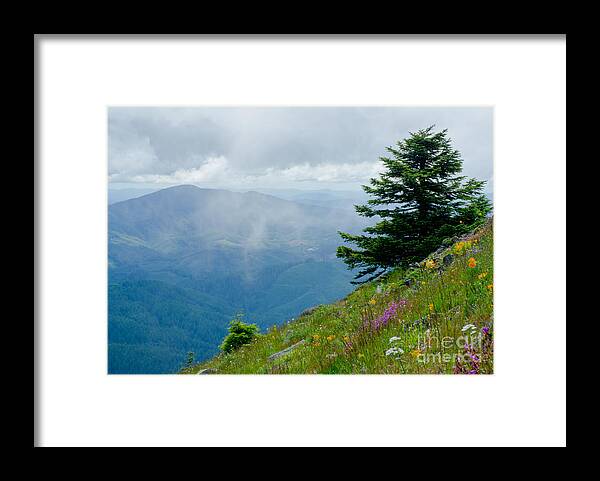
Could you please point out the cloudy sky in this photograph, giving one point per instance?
(281, 147)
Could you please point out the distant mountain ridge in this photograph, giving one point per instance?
(119, 195)
(187, 210)
(215, 252)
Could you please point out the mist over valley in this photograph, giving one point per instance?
(184, 260)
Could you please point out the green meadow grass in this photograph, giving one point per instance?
(446, 308)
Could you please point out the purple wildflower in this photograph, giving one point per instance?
(470, 363)
(388, 314)
(487, 344)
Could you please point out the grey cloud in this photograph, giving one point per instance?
(254, 144)
(164, 140)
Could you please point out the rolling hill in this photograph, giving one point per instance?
(184, 260)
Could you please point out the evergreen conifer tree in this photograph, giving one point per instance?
(421, 201)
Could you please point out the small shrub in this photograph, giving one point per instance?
(240, 333)
(189, 362)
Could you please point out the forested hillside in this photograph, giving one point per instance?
(152, 325)
(184, 260)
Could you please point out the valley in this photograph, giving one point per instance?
(184, 260)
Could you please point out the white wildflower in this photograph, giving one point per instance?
(394, 351)
(468, 327)
(394, 339)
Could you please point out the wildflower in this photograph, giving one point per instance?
(490, 287)
(330, 338)
(458, 247)
(430, 264)
(468, 363)
(372, 302)
(472, 262)
(431, 307)
(482, 275)
(415, 353)
(468, 327)
(394, 339)
(316, 337)
(394, 351)
(485, 330)
(387, 315)
(346, 339)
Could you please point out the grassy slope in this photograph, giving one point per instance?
(438, 303)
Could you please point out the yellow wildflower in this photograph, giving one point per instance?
(458, 247)
(415, 352)
(431, 306)
(372, 302)
(346, 338)
(482, 275)
(316, 337)
(472, 262)
(330, 338)
(430, 264)
(490, 287)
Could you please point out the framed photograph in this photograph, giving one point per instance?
(235, 231)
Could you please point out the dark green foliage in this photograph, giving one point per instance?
(240, 333)
(422, 203)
